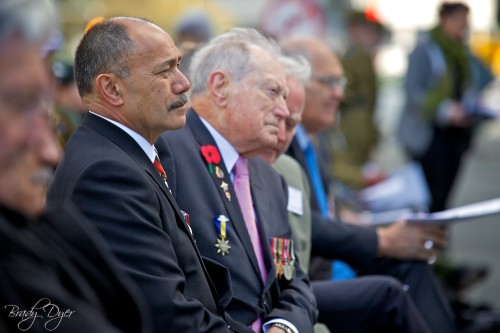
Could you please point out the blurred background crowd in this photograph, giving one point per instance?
(374, 39)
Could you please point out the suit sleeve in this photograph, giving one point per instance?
(353, 244)
(28, 275)
(127, 213)
(356, 245)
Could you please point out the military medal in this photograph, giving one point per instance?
(221, 226)
(283, 257)
(222, 246)
(289, 258)
(276, 250)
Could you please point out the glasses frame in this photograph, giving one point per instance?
(331, 81)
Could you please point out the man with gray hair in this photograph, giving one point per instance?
(237, 203)
(55, 271)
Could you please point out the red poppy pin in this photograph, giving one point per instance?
(211, 155)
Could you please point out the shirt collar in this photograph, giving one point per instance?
(227, 151)
(302, 137)
(141, 141)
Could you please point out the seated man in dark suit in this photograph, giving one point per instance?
(398, 250)
(127, 74)
(56, 273)
(237, 202)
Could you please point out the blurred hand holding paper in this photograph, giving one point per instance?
(483, 208)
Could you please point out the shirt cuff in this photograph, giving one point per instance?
(266, 325)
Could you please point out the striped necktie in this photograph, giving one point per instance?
(160, 169)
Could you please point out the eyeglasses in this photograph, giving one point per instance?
(331, 81)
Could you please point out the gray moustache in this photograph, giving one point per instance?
(178, 103)
(43, 176)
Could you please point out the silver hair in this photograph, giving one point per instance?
(231, 52)
(297, 67)
(31, 20)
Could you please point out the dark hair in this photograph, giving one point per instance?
(103, 49)
(450, 8)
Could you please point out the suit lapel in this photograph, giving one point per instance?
(203, 137)
(130, 146)
(262, 201)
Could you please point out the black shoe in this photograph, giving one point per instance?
(460, 278)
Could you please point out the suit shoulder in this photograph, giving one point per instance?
(175, 137)
(263, 168)
(286, 163)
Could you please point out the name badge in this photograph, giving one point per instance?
(295, 201)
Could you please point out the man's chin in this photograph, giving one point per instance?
(269, 156)
(179, 122)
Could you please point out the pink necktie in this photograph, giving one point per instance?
(241, 184)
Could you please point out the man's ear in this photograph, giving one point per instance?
(108, 87)
(218, 83)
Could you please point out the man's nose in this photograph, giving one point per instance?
(44, 142)
(281, 110)
(339, 93)
(181, 83)
(282, 113)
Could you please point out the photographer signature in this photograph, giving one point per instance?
(43, 310)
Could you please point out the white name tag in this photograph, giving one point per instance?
(295, 202)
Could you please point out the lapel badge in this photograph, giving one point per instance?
(187, 220)
(219, 173)
(211, 155)
(228, 195)
(224, 186)
(222, 228)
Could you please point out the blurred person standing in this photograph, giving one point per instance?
(193, 29)
(68, 111)
(127, 74)
(355, 135)
(440, 116)
(442, 109)
(56, 274)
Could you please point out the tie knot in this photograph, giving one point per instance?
(158, 166)
(241, 167)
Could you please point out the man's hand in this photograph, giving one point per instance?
(458, 116)
(406, 241)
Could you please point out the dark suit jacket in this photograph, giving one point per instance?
(108, 176)
(353, 244)
(60, 259)
(199, 193)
